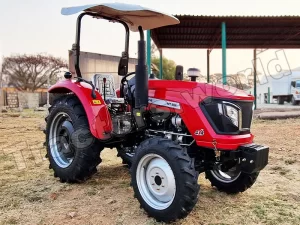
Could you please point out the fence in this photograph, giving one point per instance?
(16, 99)
(1, 97)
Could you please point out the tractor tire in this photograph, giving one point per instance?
(164, 179)
(234, 183)
(73, 152)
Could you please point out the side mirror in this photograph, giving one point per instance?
(293, 83)
(123, 64)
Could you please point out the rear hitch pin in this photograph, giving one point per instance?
(217, 152)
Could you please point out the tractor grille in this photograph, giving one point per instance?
(221, 123)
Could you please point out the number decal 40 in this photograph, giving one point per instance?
(199, 132)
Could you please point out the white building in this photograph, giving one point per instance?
(94, 63)
(274, 85)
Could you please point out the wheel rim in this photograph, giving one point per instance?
(130, 154)
(60, 133)
(226, 177)
(156, 181)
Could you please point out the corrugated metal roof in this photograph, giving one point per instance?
(242, 32)
(232, 16)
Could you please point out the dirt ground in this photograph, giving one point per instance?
(29, 194)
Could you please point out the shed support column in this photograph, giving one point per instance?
(224, 53)
(160, 64)
(269, 95)
(254, 80)
(208, 65)
(149, 51)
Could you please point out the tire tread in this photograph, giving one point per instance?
(243, 182)
(189, 193)
(88, 159)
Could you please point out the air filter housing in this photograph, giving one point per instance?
(193, 73)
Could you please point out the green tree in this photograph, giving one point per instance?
(169, 67)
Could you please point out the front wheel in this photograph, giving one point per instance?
(294, 102)
(232, 181)
(164, 179)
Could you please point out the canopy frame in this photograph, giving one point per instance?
(76, 45)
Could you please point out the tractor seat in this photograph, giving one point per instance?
(110, 92)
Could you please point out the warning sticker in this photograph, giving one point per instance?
(96, 102)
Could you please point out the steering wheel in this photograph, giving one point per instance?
(123, 80)
(127, 75)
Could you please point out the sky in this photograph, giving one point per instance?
(36, 26)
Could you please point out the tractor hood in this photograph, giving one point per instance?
(202, 90)
(133, 15)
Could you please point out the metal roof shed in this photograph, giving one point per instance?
(243, 32)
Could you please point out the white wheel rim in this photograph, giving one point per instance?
(226, 177)
(54, 142)
(156, 181)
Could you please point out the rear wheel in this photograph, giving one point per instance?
(280, 100)
(164, 179)
(73, 151)
(232, 181)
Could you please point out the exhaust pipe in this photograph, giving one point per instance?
(141, 76)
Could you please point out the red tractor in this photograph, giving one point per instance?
(166, 131)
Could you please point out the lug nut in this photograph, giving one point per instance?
(251, 161)
(244, 159)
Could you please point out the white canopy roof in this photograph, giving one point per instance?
(133, 15)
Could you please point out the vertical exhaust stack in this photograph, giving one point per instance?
(141, 77)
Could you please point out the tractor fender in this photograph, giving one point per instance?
(96, 110)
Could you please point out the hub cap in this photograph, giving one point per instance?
(226, 177)
(156, 181)
(61, 149)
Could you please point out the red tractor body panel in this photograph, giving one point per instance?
(189, 95)
(96, 109)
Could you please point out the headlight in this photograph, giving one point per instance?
(233, 114)
(228, 116)
(232, 111)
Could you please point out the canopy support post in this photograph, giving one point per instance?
(254, 80)
(149, 52)
(160, 64)
(208, 65)
(224, 53)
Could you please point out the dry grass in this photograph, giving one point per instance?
(31, 195)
